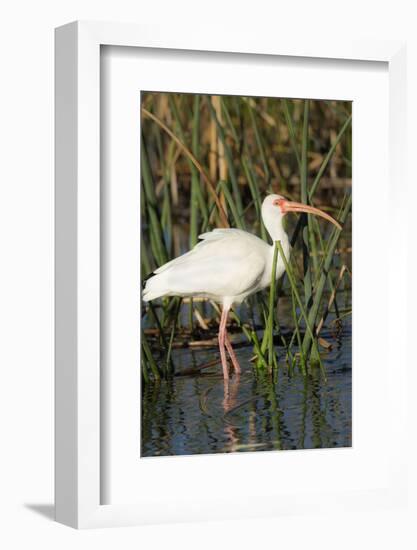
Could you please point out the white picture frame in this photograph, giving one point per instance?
(78, 411)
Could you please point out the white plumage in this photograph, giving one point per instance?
(228, 265)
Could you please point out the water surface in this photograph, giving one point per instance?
(199, 414)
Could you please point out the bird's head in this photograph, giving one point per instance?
(277, 206)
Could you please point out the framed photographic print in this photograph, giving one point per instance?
(216, 203)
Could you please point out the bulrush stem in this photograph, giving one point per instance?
(312, 316)
(293, 283)
(271, 308)
(305, 220)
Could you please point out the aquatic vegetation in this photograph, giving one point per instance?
(208, 162)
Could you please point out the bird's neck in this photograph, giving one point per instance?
(276, 230)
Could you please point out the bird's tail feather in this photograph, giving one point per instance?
(154, 288)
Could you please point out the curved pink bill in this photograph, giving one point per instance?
(290, 206)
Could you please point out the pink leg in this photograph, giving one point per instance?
(231, 390)
(232, 354)
(222, 338)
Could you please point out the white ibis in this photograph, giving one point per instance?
(228, 265)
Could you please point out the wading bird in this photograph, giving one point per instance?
(228, 265)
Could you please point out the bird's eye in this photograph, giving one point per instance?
(279, 202)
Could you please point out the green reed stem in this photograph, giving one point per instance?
(166, 218)
(144, 370)
(260, 144)
(327, 261)
(306, 222)
(254, 189)
(229, 159)
(160, 330)
(195, 176)
(171, 339)
(271, 308)
(228, 118)
(149, 358)
(195, 139)
(320, 173)
(317, 269)
(328, 157)
(232, 205)
(156, 233)
(251, 337)
(293, 283)
(147, 179)
(261, 361)
(297, 333)
(190, 315)
(291, 130)
(145, 262)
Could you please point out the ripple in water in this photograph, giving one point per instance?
(195, 415)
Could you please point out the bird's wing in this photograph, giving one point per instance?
(207, 239)
(229, 233)
(227, 262)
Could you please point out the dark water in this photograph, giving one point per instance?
(198, 414)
